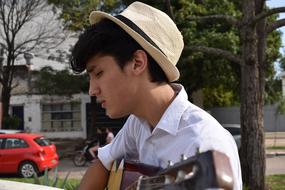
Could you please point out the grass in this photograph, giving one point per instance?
(276, 182)
(70, 182)
(276, 147)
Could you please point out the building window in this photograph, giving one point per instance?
(61, 117)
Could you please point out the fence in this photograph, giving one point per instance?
(272, 120)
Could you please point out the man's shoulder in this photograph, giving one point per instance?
(195, 114)
(134, 123)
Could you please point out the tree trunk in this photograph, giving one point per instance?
(169, 9)
(252, 152)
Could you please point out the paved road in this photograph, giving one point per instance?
(67, 165)
(275, 165)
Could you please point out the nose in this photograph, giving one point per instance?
(93, 89)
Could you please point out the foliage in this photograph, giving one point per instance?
(276, 182)
(46, 181)
(70, 184)
(75, 13)
(11, 122)
(276, 147)
(273, 90)
(218, 97)
(198, 71)
(60, 82)
(281, 106)
(282, 62)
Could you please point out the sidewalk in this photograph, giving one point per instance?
(273, 139)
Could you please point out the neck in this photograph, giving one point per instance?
(158, 99)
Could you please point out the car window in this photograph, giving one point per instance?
(15, 143)
(233, 130)
(42, 141)
(1, 141)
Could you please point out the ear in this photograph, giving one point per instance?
(140, 60)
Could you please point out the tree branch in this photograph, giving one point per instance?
(229, 19)
(4, 23)
(215, 51)
(274, 25)
(267, 13)
(169, 9)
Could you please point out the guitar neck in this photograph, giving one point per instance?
(209, 169)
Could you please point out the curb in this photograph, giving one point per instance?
(273, 154)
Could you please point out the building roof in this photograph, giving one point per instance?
(37, 63)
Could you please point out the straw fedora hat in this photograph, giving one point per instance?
(153, 30)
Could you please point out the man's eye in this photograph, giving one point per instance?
(98, 74)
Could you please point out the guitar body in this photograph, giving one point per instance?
(127, 174)
(209, 169)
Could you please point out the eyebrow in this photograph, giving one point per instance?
(90, 68)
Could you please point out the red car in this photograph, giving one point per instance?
(25, 154)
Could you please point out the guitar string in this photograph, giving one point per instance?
(143, 183)
(155, 182)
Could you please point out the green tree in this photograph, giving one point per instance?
(63, 82)
(75, 13)
(282, 63)
(198, 71)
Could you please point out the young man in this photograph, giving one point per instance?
(131, 60)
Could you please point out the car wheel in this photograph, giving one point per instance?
(27, 169)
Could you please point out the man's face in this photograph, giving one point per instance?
(111, 85)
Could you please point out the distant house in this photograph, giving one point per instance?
(52, 115)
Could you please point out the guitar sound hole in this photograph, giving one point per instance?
(151, 183)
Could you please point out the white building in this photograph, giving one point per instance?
(51, 115)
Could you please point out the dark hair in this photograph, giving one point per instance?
(107, 38)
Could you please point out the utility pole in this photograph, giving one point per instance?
(28, 57)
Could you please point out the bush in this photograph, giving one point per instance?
(55, 182)
(11, 122)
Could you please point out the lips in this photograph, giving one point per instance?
(103, 103)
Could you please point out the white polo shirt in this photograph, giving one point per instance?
(182, 129)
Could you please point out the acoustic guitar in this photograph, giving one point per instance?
(207, 170)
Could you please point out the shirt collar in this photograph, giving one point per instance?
(170, 120)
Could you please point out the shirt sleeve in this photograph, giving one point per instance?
(226, 145)
(122, 145)
(105, 156)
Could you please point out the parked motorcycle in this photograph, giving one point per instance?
(82, 156)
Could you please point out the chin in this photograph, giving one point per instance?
(115, 115)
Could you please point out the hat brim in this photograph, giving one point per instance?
(169, 69)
